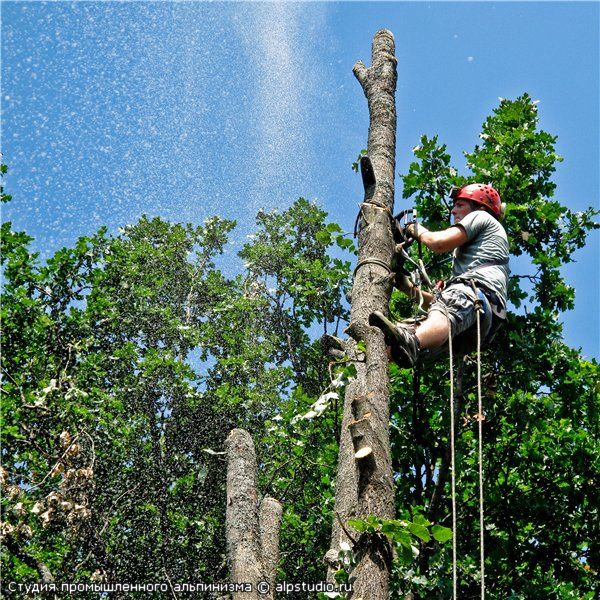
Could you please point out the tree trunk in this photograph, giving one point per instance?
(252, 529)
(364, 481)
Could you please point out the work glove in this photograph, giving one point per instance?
(415, 230)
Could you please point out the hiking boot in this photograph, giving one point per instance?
(404, 344)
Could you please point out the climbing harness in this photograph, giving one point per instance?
(490, 263)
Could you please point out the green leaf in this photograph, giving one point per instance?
(406, 554)
(358, 524)
(403, 538)
(420, 531)
(441, 534)
(421, 520)
(323, 237)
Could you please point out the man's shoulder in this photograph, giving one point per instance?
(475, 222)
(482, 217)
(481, 220)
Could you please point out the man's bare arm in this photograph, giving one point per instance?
(442, 241)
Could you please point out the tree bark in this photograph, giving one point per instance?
(364, 482)
(269, 522)
(252, 530)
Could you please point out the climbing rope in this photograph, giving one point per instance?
(371, 261)
(479, 310)
(361, 214)
(452, 455)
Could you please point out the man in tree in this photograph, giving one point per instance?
(480, 270)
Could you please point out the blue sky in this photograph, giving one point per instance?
(190, 109)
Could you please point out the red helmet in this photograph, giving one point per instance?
(481, 193)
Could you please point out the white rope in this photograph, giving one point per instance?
(480, 427)
(478, 310)
(452, 456)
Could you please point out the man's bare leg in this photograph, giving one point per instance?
(433, 332)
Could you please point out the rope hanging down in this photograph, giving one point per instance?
(452, 446)
(478, 311)
(452, 455)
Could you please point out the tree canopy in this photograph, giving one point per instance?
(129, 357)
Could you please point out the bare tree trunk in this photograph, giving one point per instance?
(252, 530)
(364, 481)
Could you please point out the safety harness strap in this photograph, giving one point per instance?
(498, 310)
(492, 263)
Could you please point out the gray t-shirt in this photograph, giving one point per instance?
(487, 242)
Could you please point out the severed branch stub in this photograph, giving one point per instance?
(360, 430)
(252, 527)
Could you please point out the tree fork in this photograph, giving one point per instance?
(364, 480)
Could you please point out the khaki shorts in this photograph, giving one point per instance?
(457, 302)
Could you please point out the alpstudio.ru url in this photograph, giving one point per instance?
(287, 587)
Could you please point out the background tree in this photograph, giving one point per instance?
(126, 362)
(541, 443)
